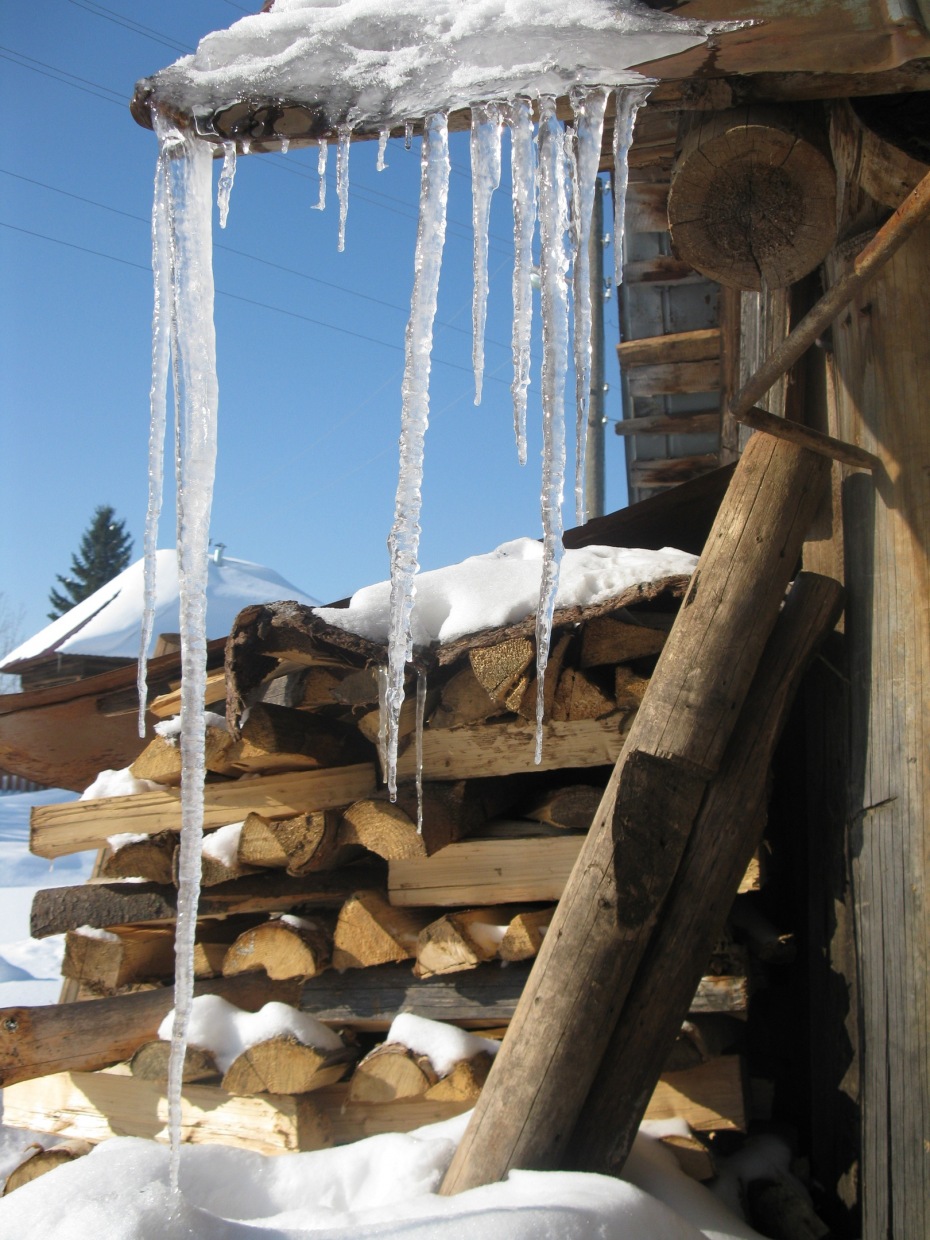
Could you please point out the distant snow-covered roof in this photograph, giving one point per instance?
(108, 623)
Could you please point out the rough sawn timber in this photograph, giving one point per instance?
(576, 990)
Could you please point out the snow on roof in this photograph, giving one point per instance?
(108, 623)
(502, 587)
(378, 63)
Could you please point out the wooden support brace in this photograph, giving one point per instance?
(816, 441)
(677, 742)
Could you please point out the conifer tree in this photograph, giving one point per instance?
(104, 552)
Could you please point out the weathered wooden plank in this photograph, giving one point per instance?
(670, 424)
(663, 269)
(56, 830)
(57, 909)
(828, 446)
(699, 345)
(646, 206)
(475, 752)
(674, 378)
(672, 472)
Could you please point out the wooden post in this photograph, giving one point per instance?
(575, 992)
(725, 835)
(883, 369)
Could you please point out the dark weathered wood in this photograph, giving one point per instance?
(880, 249)
(96, 1033)
(883, 366)
(672, 471)
(725, 835)
(681, 518)
(677, 742)
(674, 378)
(816, 441)
(753, 196)
(57, 909)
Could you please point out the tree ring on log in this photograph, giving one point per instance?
(753, 198)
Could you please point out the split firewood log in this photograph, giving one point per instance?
(150, 1063)
(629, 688)
(371, 931)
(464, 699)
(219, 857)
(572, 808)
(465, 1082)
(457, 941)
(40, 1159)
(579, 696)
(389, 1072)
(285, 1065)
(278, 738)
(161, 759)
(558, 654)
(504, 669)
(382, 828)
(302, 844)
(285, 947)
(606, 640)
(369, 724)
(132, 855)
(525, 934)
(104, 961)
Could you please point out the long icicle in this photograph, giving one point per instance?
(486, 125)
(227, 177)
(553, 262)
(322, 154)
(404, 539)
(342, 181)
(189, 213)
(589, 106)
(523, 177)
(162, 321)
(627, 101)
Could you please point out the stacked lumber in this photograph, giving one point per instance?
(321, 894)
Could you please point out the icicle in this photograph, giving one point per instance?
(285, 145)
(405, 534)
(189, 215)
(408, 134)
(382, 717)
(383, 134)
(227, 176)
(523, 176)
(485, 178)
(161, 361)
(588, 106)
(627, 101)
(553, 263)
(323, 151)
(421, 719)
(342, 181)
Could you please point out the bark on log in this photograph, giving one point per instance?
(753, 197)
(573, 999)
(725, 835)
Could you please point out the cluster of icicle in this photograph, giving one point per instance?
(554, 177)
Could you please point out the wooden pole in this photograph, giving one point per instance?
(725, 835)
(886, 242)
(576, 990)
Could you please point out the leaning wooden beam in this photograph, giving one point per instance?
(886, 242)
(807, 437)
(78, 825)
(677, 742)
(727, 831)
(57, 909)
(92, 1034)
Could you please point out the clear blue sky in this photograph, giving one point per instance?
(310, 341)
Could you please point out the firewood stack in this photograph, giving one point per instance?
(322, 894)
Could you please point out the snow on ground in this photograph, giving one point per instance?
(382, 1188)
(502, 587)
(29, 968)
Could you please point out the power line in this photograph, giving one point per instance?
(249, 301)
(61, 75)
(117, 19)
(255, 258)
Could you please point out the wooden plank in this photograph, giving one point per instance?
(828, 446)
(700, 345)
(670, 424)
(671, 473)
(674, 378)
(474, 752)
(169, 704)
(647, 206)
(57, 909)
(664, 269)
(60, 829)
(682, 518)
(485, 872)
